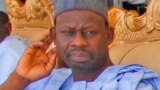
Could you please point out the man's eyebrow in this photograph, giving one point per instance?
(89, 26)
(67, 27)
(82, 27)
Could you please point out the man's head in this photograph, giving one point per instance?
(5, 27)
(82, 34)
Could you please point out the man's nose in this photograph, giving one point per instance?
(79, 41)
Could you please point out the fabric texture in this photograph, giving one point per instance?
(118, 77)
(96, 6)
(11, 48)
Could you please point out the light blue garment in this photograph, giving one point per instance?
(11, 48)
(120, 77)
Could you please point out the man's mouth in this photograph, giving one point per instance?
(79, 56)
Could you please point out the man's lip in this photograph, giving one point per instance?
(79, 56)
(79, 59)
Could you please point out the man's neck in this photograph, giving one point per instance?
(89, 76)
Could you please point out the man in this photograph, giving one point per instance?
(11, 47)
(81, 35)
(4, 26)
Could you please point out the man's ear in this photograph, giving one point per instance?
(110, 35)
(53, 33)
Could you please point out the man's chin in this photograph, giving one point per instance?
(81, 67)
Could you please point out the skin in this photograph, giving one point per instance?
(81, 39)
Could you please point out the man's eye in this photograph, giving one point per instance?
(90, 33)
(67, 33)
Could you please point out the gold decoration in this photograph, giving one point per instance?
(136, 38)
(30, 13)
(130, 27)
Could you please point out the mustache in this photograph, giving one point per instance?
(79, 50)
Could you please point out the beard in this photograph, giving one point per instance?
(91, 61)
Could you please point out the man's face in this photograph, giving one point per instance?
(82, 39)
